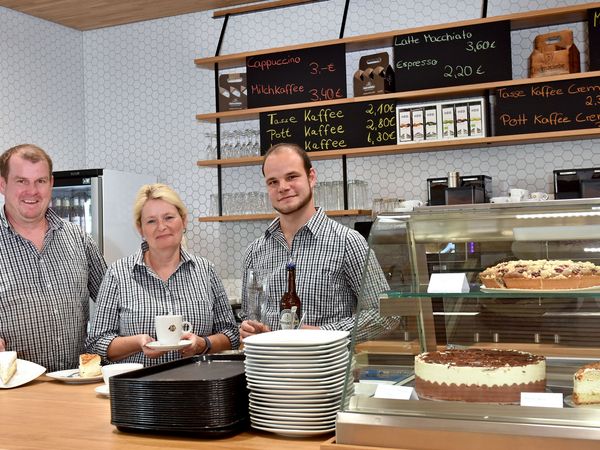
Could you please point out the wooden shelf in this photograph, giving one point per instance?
(241, 217)
(432, 146)
(437, 93)
(532, 19)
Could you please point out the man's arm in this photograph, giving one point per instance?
(96, 266)
(367, 281)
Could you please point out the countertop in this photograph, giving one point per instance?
(49, 414)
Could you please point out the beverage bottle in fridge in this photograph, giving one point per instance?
(66, 208)
(57, 206)
(76, 212)
(290, 306)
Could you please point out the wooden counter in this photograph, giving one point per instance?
(48, 414)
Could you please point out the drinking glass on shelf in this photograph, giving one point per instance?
(337, 195)
(213, 209)
(255, 146)
(210, 151)
(227, 145)
(358, 197)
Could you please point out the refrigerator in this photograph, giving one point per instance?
(101, 202)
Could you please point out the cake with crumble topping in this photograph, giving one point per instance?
(541, 274)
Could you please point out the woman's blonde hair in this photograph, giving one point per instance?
(157, 191)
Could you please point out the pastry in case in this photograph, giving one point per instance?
(479, 375)
(586, 384)
(541, 274)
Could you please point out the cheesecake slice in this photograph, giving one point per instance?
(8, 366)
(89, 365)
(586, 385)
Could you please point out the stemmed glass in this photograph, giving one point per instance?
(210, 151)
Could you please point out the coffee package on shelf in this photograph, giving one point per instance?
(374, 75)
(554, 54)
(232, 92)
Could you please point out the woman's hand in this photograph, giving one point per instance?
(197, 346)
(144, 339)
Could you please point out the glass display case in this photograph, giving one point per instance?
(405, 319)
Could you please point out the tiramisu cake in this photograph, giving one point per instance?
(586, 384)
(479, 375)
(541, 274)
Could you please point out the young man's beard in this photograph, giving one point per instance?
(298, 207)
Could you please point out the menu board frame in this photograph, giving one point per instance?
(334, 127)
(548, 106)
(453, 56)
(297, 76)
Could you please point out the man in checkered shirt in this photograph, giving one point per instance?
(330, 258)
(49, 268)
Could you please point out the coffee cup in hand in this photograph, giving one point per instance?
(169, 328)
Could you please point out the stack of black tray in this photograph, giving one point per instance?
(201, 395)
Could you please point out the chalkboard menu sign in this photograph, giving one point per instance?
(552, 106)
(307, 75)
(339, 127)
(453, 56)
(594, 38)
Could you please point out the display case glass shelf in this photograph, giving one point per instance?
(560, 325)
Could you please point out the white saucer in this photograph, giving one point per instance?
(26, 372)
(71, 376)
(102, 390)
(155, 345)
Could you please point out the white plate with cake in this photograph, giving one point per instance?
(72, 376)
(89, 371)
(16, 372)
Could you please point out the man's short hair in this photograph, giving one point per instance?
(29, 152)
(295, 148)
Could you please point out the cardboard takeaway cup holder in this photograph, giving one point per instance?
(554, 54)
(374, 75)
(232, 92)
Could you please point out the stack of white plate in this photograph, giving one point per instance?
(296, 380)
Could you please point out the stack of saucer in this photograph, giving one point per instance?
(296, 380)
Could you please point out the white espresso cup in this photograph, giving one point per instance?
(539, 196)
(170, 327)
(519, 195)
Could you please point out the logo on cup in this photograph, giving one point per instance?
(172, 328)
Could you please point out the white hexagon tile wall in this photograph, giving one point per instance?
(41, 87)
(142, 92)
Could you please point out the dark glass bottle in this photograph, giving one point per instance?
(290, 307)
